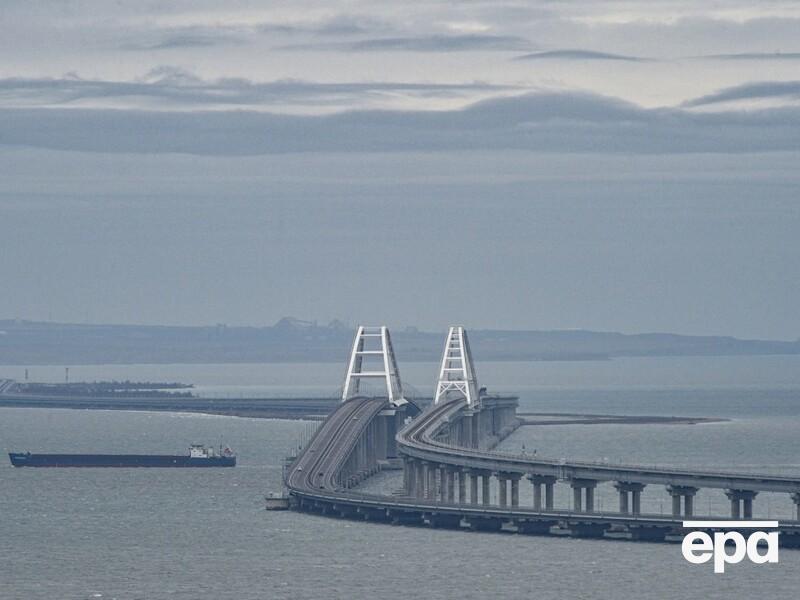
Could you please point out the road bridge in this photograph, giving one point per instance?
(449, 465)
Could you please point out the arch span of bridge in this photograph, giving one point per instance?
(450, 467)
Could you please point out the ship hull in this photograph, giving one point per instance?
(118, 460)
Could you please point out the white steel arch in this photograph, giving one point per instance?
(375, 345)
(457, 373)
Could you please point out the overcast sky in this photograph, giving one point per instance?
(628, 165)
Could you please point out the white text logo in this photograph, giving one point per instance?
(699, 547)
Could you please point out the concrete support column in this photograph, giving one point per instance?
(688, 506)
(688, 502)
(748, 508)
(443, 492)
(451, 484)
(576, 499)
(796, 499)
(548, 495)
(578, 485)
(538, 481)
(590, 499)
(421, 479)
(537, 496)
(502, 482)
(370, 442)
(377, 438)
(473, 487)
(462, 486)
(515, 489)
(741, 503)
(623, 501)
(735, 507)
(391, 431)
(687, 493)
(430, 481)
(632, 490)
(383, 450)
(486, 479)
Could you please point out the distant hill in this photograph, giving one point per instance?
(293, 340)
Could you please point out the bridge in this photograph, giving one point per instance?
(450, 467)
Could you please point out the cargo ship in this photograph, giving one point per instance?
(199, 456)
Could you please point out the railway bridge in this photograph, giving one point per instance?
(453, 477)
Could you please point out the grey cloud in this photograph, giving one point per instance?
(751, 91)
(202, 36)
(551, 122)
(424, 43)
(187, 37)
(578, 55)
(338, 25)
(756, 56)
(180, 87)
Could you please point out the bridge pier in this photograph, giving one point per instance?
(548, 481)
(391, 432)
(473, 485)
(441, 475)
(743, 498)
(578, 485)
(486, 479)
(410, 476)
(515, 477)
(451, 484)
(635, 490)
(796, 499)
(502, 481)
(427, 480)
(462, 486)
(687, 493)
(418, 479)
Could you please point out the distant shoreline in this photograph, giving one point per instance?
(577, 358)
(295, 341)
(593, 419)
(317, 409)
(309, 408)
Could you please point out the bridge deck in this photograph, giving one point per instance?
(312, 482)
(418, 441)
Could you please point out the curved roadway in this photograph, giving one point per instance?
(313, 475)
(417, 440)
(316, 468)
